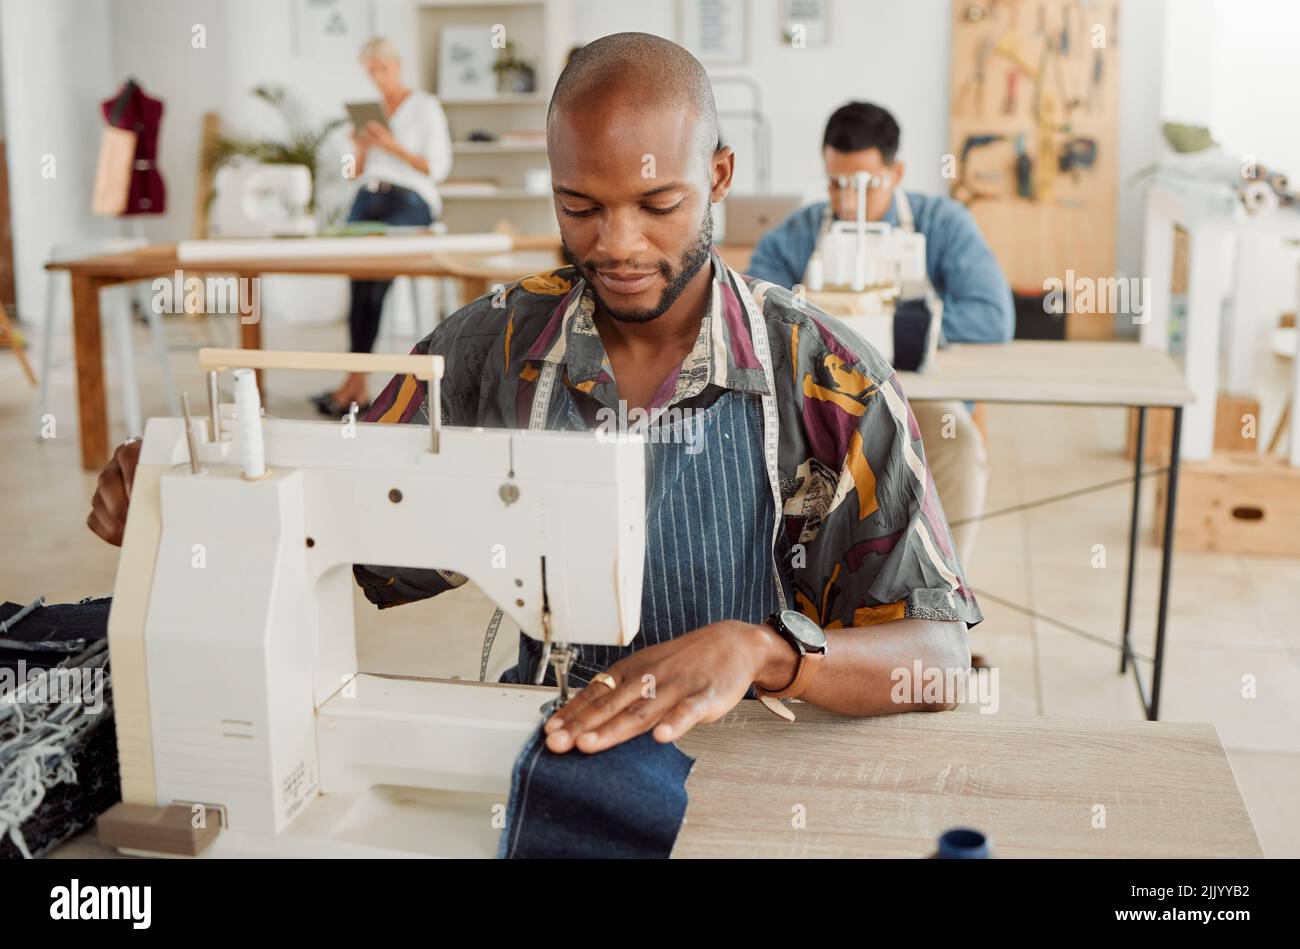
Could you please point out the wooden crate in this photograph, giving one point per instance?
(1160, 426)
(1231, 424)
(1242, 504)
(1228, 429)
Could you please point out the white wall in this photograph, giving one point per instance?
(1142, 55)
(1256, 100)
(1237, 71)
(1187, 90)
(56, 70)
(1238, 74)
(896, 55)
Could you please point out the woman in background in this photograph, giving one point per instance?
(398, 167)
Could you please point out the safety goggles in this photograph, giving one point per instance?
(853, 182)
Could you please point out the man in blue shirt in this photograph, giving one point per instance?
(977, 307)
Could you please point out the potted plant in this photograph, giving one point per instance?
(513, 73)
(301, 145)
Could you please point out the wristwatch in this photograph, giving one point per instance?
(809, 642)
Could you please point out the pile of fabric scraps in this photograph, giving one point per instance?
(58, 749)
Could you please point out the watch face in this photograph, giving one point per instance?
(803, 629)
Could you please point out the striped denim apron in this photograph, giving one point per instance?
(709, 515)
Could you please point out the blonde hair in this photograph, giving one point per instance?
(379, 47)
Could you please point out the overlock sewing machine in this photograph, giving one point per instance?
(859, 255)
(244, 724)
(872, 276)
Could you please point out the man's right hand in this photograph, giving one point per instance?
(113, 493)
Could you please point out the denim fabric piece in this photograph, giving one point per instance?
(622, 803)
(52, 632)
(396, 206)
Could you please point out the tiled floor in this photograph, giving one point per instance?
(1231, 616)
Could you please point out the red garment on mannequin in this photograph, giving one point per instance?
(142, 115)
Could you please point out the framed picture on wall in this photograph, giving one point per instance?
(465, 60)
(714, 30)
(331, 30)
(805, 22)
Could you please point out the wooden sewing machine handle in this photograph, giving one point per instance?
(426, 368)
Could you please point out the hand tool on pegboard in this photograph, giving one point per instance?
(962, 190)
(973, 87)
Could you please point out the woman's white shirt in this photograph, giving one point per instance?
(420, 127)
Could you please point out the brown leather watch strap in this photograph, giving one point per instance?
(809, 663)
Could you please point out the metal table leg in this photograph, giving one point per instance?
(1133, 535)
(1166, 565)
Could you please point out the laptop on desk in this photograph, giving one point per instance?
(749, 216)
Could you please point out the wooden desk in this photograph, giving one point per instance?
(736, 256)
(1051, 373)
(888, 786)
(477, 272)
(1041, 372)
(92, 274)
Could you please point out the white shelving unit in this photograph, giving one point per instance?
(495, 148)
(500, 194)
(540, 31)
(505, 98)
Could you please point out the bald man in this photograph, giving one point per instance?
(795, 545)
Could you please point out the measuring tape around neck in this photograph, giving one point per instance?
(771, 423)
(542, 397)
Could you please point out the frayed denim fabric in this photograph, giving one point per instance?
(626, 802)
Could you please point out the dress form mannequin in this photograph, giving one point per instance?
(132, 109)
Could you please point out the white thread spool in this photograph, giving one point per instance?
(1259, 198)
(248, 416)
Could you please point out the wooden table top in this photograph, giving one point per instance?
(532, 253)
(509, 265)
(889, 786)
(161, 259)
(1067, 372)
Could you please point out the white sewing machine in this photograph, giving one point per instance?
(254, 199)
(235, 678)
(868, 273)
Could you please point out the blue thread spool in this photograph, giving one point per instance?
(962, 843)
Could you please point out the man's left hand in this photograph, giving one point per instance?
(673, 686)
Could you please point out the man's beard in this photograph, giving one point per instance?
(696, 256)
